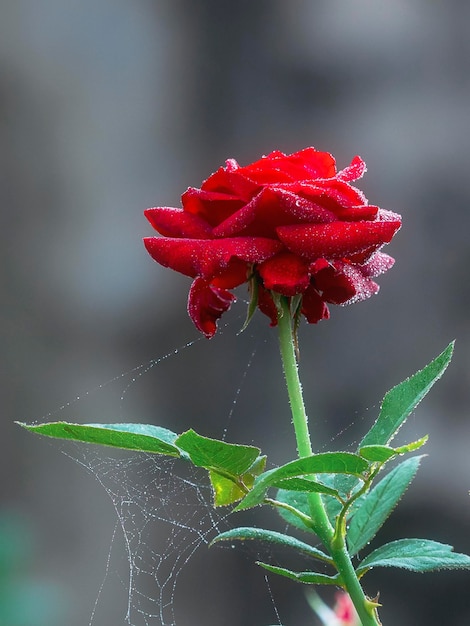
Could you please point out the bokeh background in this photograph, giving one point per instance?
(108, 107)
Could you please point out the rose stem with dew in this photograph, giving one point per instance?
(334, 542)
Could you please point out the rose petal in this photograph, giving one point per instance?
(363, 285)
(212, 206)
(285, 273)
(278, 167)
(335, 286)
(338, 239)
(206, 304)
(354, 171)
(313, 306)
(318, 264)
(231, 180)
(388, 216)
(331, 192)
(233, 275)
(172, 222)
(355, 213)
(377, 264)
(316, 163)
(208, 257)
(269, 209)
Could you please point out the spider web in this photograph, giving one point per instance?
(164, 513)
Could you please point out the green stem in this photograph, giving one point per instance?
(366, 609)
(335, 542)
(321, 523)
(294, 387)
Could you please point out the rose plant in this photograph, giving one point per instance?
(302, 237)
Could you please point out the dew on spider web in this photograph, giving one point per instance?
(163, 506)
(129, 377)
(164, 514)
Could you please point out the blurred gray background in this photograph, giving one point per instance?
(108, 107)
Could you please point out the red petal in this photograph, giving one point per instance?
(317, 164)
(338, 239)
(388, 216)
(172, 222)
(336, 287)
(365, 287)
(354, 171)
(319, 264)
(277, 167)
(285, 273)
(330, 191)
(213, 207)
(271, 208)
(206, 304)
(353, 214)
(234, 275)
(208, 257)
(377, 264)
(345, 283)
(350, 284)
(313, 307)
(231, 180)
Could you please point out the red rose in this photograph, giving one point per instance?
(344, 611)
(291, 223)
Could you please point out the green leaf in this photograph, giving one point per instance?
(246, 533)
(141, 437)
(378, 504)
(411, 447)
(228, 459)
(379, 454)
(327, 462)
(400, 401)
(346, 485)
(297, 500)
(305, 485)
(416, 555)
(382, 454)
(309, 578)
(226, 491)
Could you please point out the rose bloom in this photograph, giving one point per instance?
(290, 225)
(344, 610)
(343, 613)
